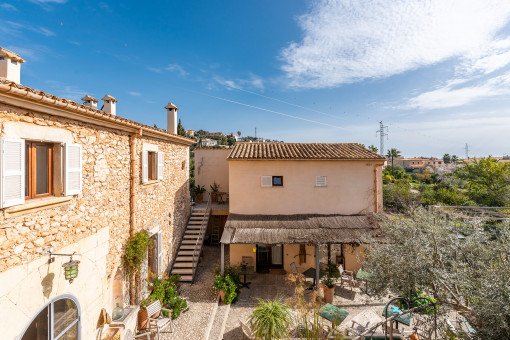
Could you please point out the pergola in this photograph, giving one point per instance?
(298, 229)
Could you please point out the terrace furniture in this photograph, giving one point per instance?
(246, 270)
(333, 313)
(347, 276)
(159, 322)
(363, 322)
(364, 277)
(247, 334)
(391, 310)
(129, 335)
(293, 268)
(310, 272)
(222, 197)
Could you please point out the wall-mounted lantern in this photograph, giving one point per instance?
(70, 268)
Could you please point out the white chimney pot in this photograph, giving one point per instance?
(90, 101)
(110, 105)
(10, 65)
(171, 115)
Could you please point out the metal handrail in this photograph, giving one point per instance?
(200, 236)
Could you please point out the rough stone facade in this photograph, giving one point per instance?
(104, 202)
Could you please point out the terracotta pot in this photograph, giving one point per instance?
(200, 198)
(329, 293)
(222, 295)
(143, 318)
(214, 197)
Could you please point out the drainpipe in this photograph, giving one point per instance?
(132, 147)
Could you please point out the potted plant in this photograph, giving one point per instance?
(227, 288)
(215, 189)
(271, 319)
(328, 282)
(199, 193)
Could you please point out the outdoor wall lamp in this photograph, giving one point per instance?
(70, 268)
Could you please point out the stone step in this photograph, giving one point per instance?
(190, 237)
(185, 258)
(186, 278)
(182, 271)
(186, 253)
(183, 265)
(193, 226)
(192, 232)
(186, 247)
(190, 241)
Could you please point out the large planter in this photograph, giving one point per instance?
(200, 198)
(329, 293)
(143, 318)
(214, 197)
(222, 295)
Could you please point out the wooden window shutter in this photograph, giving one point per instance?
(72, 170)
(12, 171)
(145, 166)
(320, 181)
(161, 165)
(160, 252)
(266, 181)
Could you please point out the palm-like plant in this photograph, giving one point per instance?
(271, 319)
(373, 148)
(392, 153)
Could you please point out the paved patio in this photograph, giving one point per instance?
(270, 286)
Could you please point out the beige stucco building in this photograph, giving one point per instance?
(297, 202)
(78, 180)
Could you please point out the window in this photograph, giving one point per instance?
(271, 181)
(277, 181)
(153, 169)
(320, 181)
(60, 319)
(38, 169)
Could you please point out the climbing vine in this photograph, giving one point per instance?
(136, 251)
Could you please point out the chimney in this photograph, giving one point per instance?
(90, 101)
(171, 118)
(10, 65)
(110, 105)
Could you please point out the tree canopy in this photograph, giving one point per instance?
(464, 266)
(180, 129)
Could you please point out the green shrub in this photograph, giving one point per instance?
(165, 290)
(227, 284)
(136, 251)
(398, 196)
(271, 319)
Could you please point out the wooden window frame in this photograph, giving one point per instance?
(32, 170)
(277, 185)
(152, 167)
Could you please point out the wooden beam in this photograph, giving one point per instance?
(222, 259)
(317, 269)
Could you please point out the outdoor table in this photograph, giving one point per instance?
(310, 272)
(333, 313)
(365, 277)
(221, 197)
(246, 270)
(394, 310)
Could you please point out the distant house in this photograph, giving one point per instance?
(418, 163)
(190, 133)
(207, 142)
(216, 134)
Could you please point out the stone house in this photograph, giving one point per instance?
(78, 181)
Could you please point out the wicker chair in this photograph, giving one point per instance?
(347, 276)
(247, 334)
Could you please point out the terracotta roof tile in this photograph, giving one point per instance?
(302, 151)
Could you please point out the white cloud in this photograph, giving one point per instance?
(251, 82)
(154, 69)
(451, 95)
(176, 68)
(133, 93)
(8, 7)
(349, 41)
(14, 28)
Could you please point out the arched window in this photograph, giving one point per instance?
(59, 319)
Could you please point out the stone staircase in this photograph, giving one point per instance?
(188, 256)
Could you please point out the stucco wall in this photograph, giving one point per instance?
(350, 187)
(211, 166)
(104, 205)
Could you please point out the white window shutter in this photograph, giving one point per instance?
(160, 253)
(161, 165)
(266, 181)
(12, 170)
(145, 166)
(72, 170)
(320, 181)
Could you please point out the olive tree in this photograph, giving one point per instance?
(464, 266)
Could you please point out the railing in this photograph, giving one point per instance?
(200, 238)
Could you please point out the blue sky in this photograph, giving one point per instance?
(436, 72)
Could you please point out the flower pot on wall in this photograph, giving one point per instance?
(329, 293)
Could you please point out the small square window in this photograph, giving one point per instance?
(277, 181)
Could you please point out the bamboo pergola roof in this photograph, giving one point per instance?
(299, 229)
